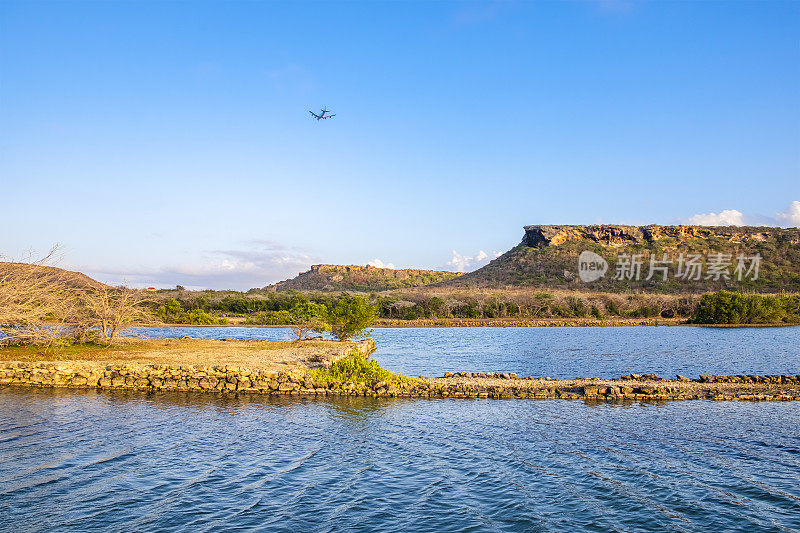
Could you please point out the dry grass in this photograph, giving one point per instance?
(282, 356)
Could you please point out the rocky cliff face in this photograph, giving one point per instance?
(362, 278)
(548, 257)
(619, 235)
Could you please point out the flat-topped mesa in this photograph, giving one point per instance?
(540, 236)
(362, 278)
(396, 273)
(548, 258)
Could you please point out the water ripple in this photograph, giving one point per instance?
(79, 460)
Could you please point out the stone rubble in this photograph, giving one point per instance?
(232, 379)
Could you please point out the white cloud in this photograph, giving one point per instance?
(790, 217)
(468, 263)
(266, 263)
(380, 264)
(728, 217)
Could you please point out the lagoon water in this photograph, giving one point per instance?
(562, 352)
(73, 460)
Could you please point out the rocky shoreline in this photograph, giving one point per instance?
(229, 379)
(525, 322)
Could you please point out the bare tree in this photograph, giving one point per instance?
(35, 300)
(110, 310)
(40, 304)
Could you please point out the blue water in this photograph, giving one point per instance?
(563, 352)
(73, 460)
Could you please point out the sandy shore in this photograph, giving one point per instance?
(258, 355)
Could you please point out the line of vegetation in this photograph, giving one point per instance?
(735, 308)
(323, 312)
(281, 308)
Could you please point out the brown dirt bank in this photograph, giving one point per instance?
(257, 355)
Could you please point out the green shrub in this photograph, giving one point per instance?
(725, 307)
(200, 317)
(357, 368)
(354, 367)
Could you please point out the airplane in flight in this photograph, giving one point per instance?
(322, 115)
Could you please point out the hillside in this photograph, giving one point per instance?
(548, 257)
(76, 280)
(361, 278)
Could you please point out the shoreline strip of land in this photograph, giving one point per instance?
(298, 368)
(229, 379)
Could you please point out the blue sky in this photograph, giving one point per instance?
(165, 143)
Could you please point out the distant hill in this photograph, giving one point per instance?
(361, 278)
(548, 256)
(55, 275)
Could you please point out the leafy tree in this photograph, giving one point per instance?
(436, 306)
(271, 318)
(171, 312)
(308, 318)
(351, 316)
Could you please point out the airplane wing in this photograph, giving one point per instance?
(315, 115)
(328, 116)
